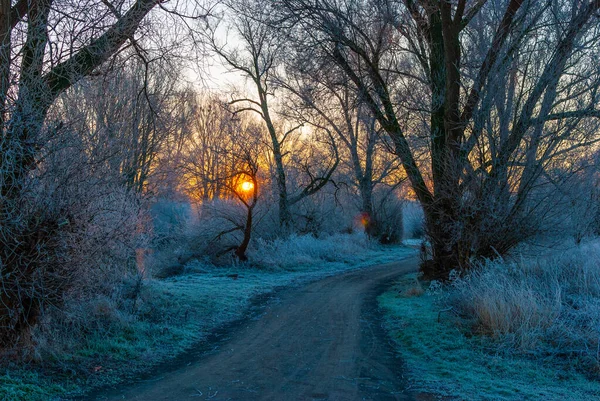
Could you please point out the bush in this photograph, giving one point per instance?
(414, 221)
(298, 250)
(389, 215)
(70, 237)
(103, 277)
(544, 307)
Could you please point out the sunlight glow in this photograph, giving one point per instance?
(247, 186)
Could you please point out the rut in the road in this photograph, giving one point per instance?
(319, 342)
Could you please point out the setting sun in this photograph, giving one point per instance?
(247, 186)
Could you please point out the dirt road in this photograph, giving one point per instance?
(319, 342)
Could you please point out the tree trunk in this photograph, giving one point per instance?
(370, 223)
(446, 254)
(285, 216)
(240, 252)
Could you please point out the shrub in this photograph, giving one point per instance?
(298, 250)
(70, 236)
(413, 221)
(389, 214)
(548, 306)
(103, 277)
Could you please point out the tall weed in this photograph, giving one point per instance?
(545, 307)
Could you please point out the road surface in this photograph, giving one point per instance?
(323, 341)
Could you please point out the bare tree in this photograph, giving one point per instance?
(129, 115)
(244, 183)
(202, 164)
(500, 105)
(46, 46)
(224, 160)
(256, 58)
(324, 98)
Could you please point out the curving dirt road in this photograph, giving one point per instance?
(319, 342)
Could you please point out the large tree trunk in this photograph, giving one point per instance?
(285, 216)
(445, 251)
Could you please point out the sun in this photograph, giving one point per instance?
(247, 186)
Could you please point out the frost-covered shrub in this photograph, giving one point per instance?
(100, 278)
(389, 214)
(169, 219)
(212, 231)
(296, 250)
(325, 213)
(71, 238)
(218, 230)
(414, 221)
(544, 307)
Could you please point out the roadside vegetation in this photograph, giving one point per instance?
(100, 342)
(524, 328)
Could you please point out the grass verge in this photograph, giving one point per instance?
(172, 316)
(442, 359)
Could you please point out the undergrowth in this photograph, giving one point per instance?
(545, 308)
(524, 330)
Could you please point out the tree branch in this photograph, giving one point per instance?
(90, 57)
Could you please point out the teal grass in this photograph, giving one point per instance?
(444, 359)
(173, 315)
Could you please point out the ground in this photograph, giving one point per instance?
(442, 357)
(322, 341)
(180, 315)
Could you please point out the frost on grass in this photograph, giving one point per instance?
(172, 315)
(509, 331)
(25, 386)
(546, 308)
(300, 251)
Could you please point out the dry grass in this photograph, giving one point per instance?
(441, 358)
(547, 307)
